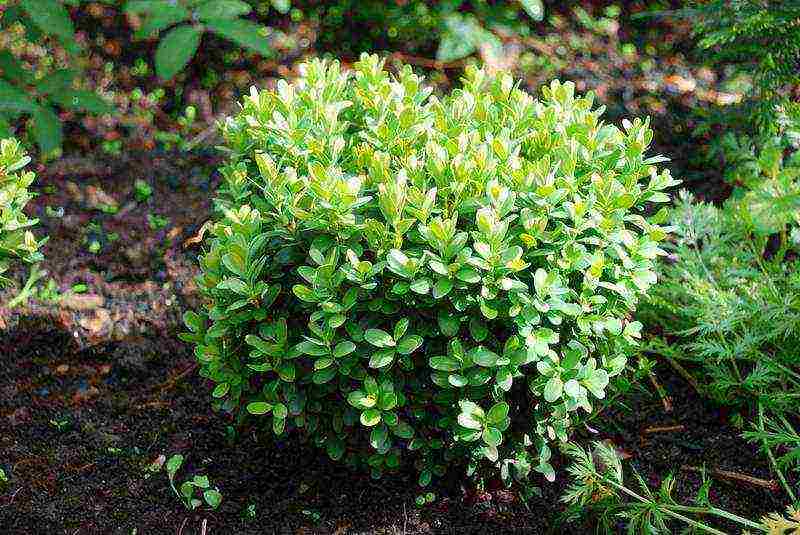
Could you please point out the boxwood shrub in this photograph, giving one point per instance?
(17, 242)
(395, 272)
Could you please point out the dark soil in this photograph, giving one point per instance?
(96, 387)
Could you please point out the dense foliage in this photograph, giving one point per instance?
(455, 276)
(17, 242)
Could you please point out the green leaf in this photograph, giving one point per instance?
(193, 321)
(409, 344)
(468, 275)
(378, 436)
(469, 418)
(12, 68)
(213, 498)
(174, 464)
(403, 430)
(483, 357)
(420, 286)
(244, 33)
(387, 402)
(370, 417)
(498, 413)
(448, 324)
(343, 349)
(176, 49)
(596, 383)
(51, 17)
(492, 436)
(381, 359)
(304, 293)
(398, 262)
(220, 390)
(533, 8)
(307, 347)
(159, 17)
(259, 407)
(457, 380)
(379, 338)
(47, 130)
(553, 389)
(572, 388)
(13, 99)
(80, 100)
(320, 377)
(424, 481)
(400, 328)
(222, 9)
(442, 288)
(335, 448)
(445, 364)
(360, 400)
(478, 329)
(57, 81)
(279, 411)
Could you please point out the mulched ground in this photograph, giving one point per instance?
(94, 388)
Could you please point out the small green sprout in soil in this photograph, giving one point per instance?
(193, 492)
(142, 190)
(157, 222)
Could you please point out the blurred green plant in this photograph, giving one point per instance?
(451, 29)
(755, 37)
(182, 23)
(26, 92)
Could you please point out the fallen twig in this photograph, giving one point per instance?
(769, 484)
(664, 429)
(176, 379)
(666, 400)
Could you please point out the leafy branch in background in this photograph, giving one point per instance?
(761, 39)
(183, 23)
(463, 34)
(598, 489)
(450, 30)
(23, 92)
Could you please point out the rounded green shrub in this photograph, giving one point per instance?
(17, 242)
(394, 272)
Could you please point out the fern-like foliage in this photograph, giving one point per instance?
(728, 306)
(598, 491)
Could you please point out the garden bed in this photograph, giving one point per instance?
(96, 387)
